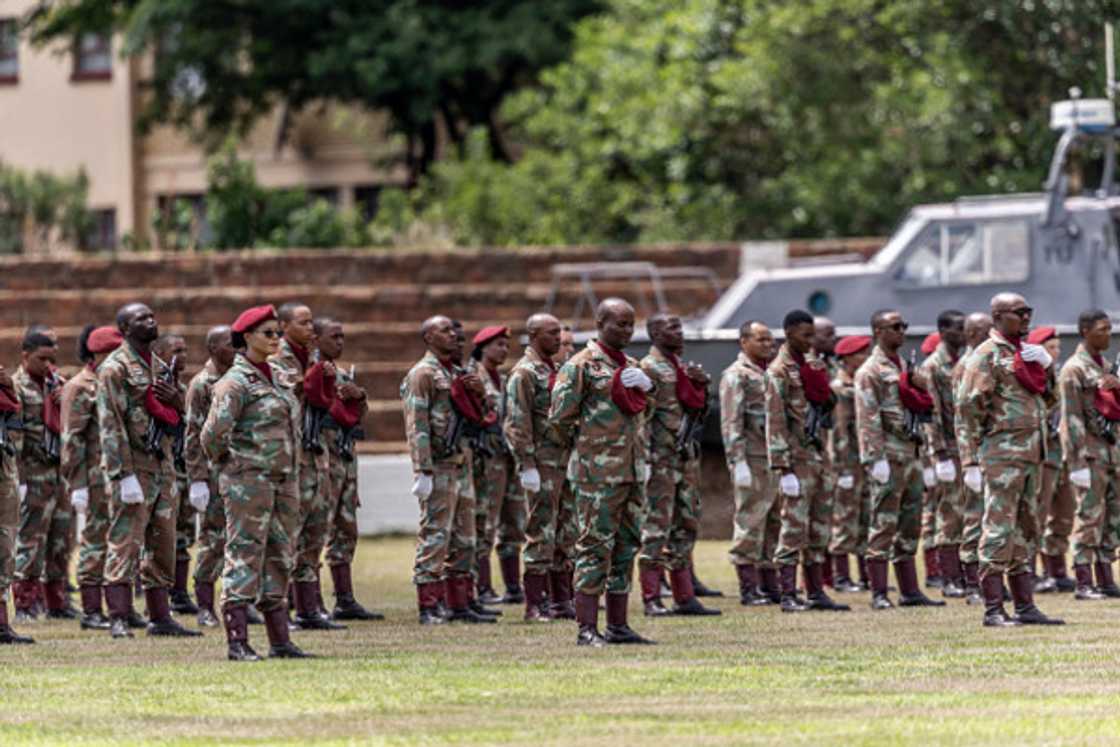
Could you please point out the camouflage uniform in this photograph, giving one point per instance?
(212, 532)
(851, 513)
(941, 437)
(252, 435)
(972, 506)
(9, 519)
(81, 468)
(342, 540)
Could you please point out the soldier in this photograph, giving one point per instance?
(567, 522)
(1002, 438)
(798, 406)
(251, 435)
(824, 345)
(9, 502)
(438, 397)
(932, 495)
(888, 405)
(1089, 411)
(136, 411)
(757, 521)
(851, 505)
(567, 346)
(203, 492)
(342, 426)
(941, 440)
(599, 406)
(81, 469)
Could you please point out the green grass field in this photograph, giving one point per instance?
(752, 676)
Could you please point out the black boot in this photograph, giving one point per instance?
(1105, 583)
(1026, 612)
(8, 636)
(1085, 590)
(790, 602)
(345, 606)
(92, 619)
(458, 601)
(587, 615)
(698, 586)
(237, 634)
(159, 611)
(994, 614)
(511, 577)
(910, 594)
(877, 578)
(181, 603)
(280, 643)
(308, 616)
(841, 575)
(749, 593)
(618, 630)
(684, 595)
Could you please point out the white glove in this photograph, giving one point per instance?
(22, 491)
(199, 495)
(531, 480)
(881, 471)
(422, 486)
(635, 377)
(644, 473)
(846, 482)
(974, 479)
(1082, 478)
(79, 499)
(790, 485)
(946, 471)
(1036, 354)
(929, 477)
(131, 492)
(742, 475)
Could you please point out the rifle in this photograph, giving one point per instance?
(690, 432)
(52, 442)
(9, 421)
(153, 439)
(915, 420)
(1105, 427)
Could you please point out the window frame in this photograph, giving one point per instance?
(981, 227)
(77, 74)
(11, 78)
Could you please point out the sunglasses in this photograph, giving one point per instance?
(1023, 312)
(897, 326)
(270, 333)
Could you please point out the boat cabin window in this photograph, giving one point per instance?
(967, 253)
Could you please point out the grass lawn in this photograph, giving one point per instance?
(751, 676)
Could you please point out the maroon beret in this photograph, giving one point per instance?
(930, 343)
(1039, 335)
(252, 317)
(104, 340)
(852, 344)
(486, 334)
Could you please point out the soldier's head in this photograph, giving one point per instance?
(257, 332)
(615, 321)
(43, 329)
(460, 340)
(666, 332)
(84, 354)
(38, 354)
(950, 325)
(1095, 327)
(889, 329)
(824, 336)
(296, 323)
(567, 346)
(138, 324)
(544, 334)
(853, 351)
(491, 346)
(1011, 315)
(438, 334)
(756, 341)
(219, 344)
(96, 343)
(171, 346)
(976, 328)
(799, 329)
(331, 337)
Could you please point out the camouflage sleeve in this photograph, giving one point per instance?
(225, 411)
(77, 412)
(731, 423)
(198, 408)
(973, 408)
(567, 397)
(112, 421)
(869, 425)
(418, 393)
(1071, 430)
(777, 432)
(934, 431)
(841, 435)
(518, 425)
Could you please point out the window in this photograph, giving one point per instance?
(366, 199)
(103, 232)
(9, 51)
(967, 254)
(93, 57)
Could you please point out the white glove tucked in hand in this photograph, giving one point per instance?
(199, 495)
(1036, 354)
(946, 470)
(644, 472)
(79, 499)
(846, 482)
(422, 486)
(635, 377)
(742, 475)
(22, 491)
(974, 479)
(531, 480)
(929, 477)
(881, 471)
(1082, 478)
(790, 485)
(131, 492)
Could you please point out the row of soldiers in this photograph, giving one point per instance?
(121, 443)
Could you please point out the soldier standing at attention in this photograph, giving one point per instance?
(887, 401)
(599, 406)
(9, 503)
(757, 521)
(81, 469)
(567, 522)
(932, 495)
(798, 407)
(135, 408)
(824, 345)
(251, 436)
(1003, 427)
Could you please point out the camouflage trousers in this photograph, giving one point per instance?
(1010, 522)
(806, 518)
(896, 512)
(567, 530)
(950, 510)
(46, 525)
(93, 548)
(184, 522)
(1096, 509)
(446, 535)
(310, 536)
(931, 497)
(500, 506)
(142, 535)
(342, 541)
(971, 518)
(1056, 508)
(609, 534)
(851, 516)
(262, 513)
(9, 525)
(758, 518)
(211, 553)
(671, 516)
(544, 529)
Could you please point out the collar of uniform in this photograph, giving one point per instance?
(246, 367)
(1084, 353)
(596, 349)
(745, 361)
(135, 355)
(655, 352)
(995, 336)
(211, 368)
(536, 359)
(880, 356)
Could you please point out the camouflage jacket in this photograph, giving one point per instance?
(1080, 427)
(610, 446)
(742, 410)
(253, 424)
(122, 381)
(666, 413)
(429, 415)
(843, 440)
(529, 433)
(998, 419)
(880, 415)
(31, 396)
(81, 443)
(493, 438)
(200, 393)
(787, 412)
(940, 433)
(332, 431)
(286, 365)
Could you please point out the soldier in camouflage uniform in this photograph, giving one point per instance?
(202, 492)
(671, 516)
(251, 436)
(1001, 410)
(134, 405)
(824, 345)
(889, 449)
(567, 523)
(757, 520)
(932, 495)
(599, 406)
(9, 502)
(798, 408)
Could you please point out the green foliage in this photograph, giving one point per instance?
(52, 207)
